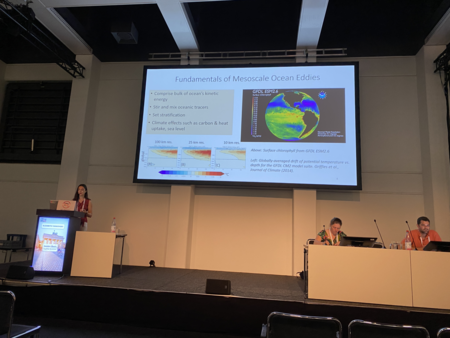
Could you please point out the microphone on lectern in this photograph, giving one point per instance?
(412, 238)
(379, 232)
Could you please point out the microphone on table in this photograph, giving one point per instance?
(412, 238)
(379, 233)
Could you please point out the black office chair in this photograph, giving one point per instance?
(363, 329)
(7, 328)
(284, 325)
(444, 333)
(310, 241)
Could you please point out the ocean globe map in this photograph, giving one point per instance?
(292, 116)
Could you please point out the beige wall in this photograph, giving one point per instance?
(26, 187)
(243, 230)
(390, 155)
(434, 140)
(246, 230)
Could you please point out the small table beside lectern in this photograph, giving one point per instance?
(94, 254)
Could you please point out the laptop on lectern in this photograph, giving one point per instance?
(66, 205)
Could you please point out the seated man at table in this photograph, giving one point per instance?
(331, 236)
(423, 235)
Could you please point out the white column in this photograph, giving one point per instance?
(80, 125)
(310, 26)
(433, 139)
(179, 228)
(304, 216)
(178, 23)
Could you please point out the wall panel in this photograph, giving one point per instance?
(243, 233)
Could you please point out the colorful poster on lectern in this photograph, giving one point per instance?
(50, 244)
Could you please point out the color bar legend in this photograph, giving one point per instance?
(191, 173)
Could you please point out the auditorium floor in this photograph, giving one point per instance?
(55, 328)
(166, 303)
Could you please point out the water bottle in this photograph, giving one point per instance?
(113, 225)
(408, 241)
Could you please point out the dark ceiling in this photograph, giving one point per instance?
(17, 48)
(380, 27)
(365, 28)
(245, 25)
(93, 24)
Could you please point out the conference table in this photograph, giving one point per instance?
(379, 276)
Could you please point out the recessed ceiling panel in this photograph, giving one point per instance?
(377, 28)
(245, 25)
(93, 24)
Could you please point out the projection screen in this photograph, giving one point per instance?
(281, 125)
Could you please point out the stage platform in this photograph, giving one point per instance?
(175, 299)
(256, 286)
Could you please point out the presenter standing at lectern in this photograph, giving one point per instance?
(333, 235)
(84, 204)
